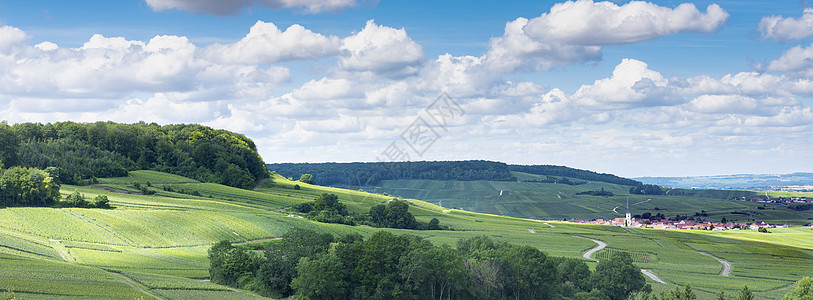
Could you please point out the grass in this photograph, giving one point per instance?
(160, 241)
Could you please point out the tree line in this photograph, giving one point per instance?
(84, 151)
(395, 214)
(388, 266)
(366, 174)
(22, 186)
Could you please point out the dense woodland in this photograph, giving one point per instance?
(388, 266)
(81, 152)
(366, 174)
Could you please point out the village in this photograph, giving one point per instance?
(629, 221)
(682, 224)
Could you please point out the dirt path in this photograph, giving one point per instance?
(590, 252)
(652, 276)
(726, 265)
(57, 245)
(135, 285)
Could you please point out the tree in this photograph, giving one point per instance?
(618, 277)
(307, 178)
(279, 268)
(746, 294)
(802, 291)
(228, 264)
(76, 199)
(321, 278)
(101, 201)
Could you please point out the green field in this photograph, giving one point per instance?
(551, 201)
(155, 246)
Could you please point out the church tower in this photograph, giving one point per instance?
(628, 216)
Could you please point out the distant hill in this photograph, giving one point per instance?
(84, 151)
(762, 182)
(367, 173)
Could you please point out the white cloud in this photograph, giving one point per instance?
(575, 31)
(722, 104)
(785, 29)
(381, 49)
(266, 44)
(11, 36)
(796, 61)
(233, 7)
(632, 85)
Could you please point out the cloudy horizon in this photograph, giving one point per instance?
(629, 88)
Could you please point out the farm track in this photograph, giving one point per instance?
(726, 265)
(135, 285)
(601, 245)
(589, 253)
(652, 276)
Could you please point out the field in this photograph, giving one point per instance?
(551, 201)
(155, 246)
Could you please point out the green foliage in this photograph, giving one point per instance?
(802, 291)
(326, 209)
(279, 267)
(618, 277)
(646, 189)
(321, 278)
(27, 187)
(746, 294)
(228, 264)
(307, 178)
(365, 174)
(678, 293)
(106, 149)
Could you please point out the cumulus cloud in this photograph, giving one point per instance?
(10, 36)
(783, 29)
(575, 31)
(266, 44)
(233, 7)
(381, 49)
(796, 61)
(632, 84)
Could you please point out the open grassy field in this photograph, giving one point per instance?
(528, 199)
(154, 246)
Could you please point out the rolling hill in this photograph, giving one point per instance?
(155, 245)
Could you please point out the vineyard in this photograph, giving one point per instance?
(159, 242)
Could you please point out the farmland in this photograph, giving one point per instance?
(527, 198)
(156, 245)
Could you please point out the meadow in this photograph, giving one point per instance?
(155, 246)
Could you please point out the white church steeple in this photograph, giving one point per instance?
(628, 217)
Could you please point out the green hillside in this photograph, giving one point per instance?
(529, 198)
(156, 245)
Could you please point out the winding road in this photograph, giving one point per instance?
(590, 252)
(726, 265)
(652, 276)
(601, 245)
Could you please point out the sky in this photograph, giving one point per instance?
(633, 88)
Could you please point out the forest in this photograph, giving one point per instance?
(363, 174)
(81, 152)
(389, 266)
(366, 174)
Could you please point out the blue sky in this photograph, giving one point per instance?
(679, 88)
